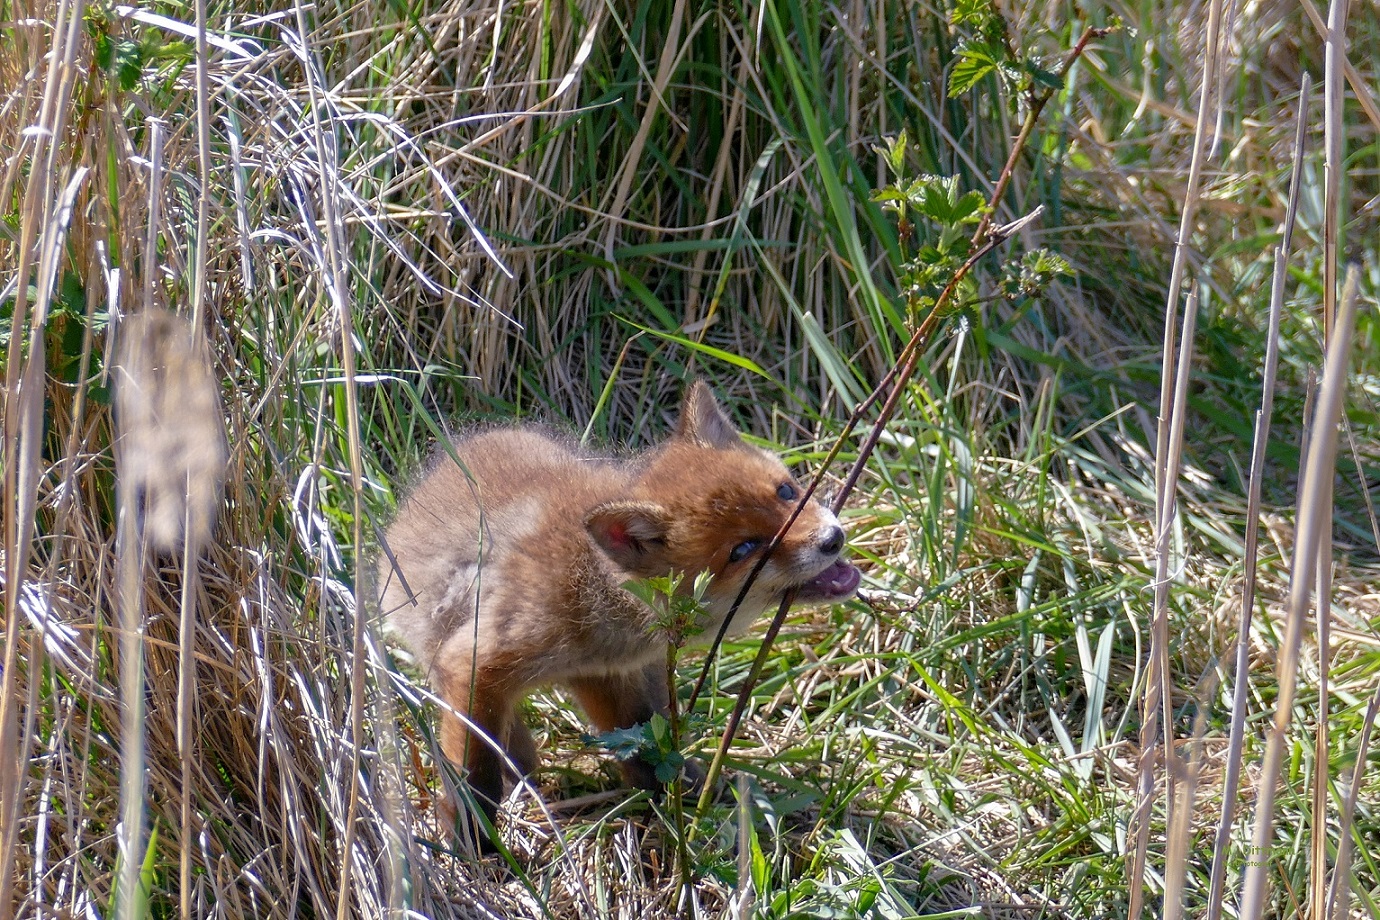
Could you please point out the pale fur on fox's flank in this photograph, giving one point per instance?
(512, 564)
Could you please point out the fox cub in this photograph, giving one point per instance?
(512, 565)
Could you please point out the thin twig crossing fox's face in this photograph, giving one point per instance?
(706, 501)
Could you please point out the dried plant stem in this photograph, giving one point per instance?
(187, 703)
(676, 793)
(186, 685)
(1180, 832)
(1359, 84)
(1333, 135)
(897, 380)
(1337, 896)
(746, 892)
(669, 56)
(1157, 673)
(1232, 778)
(1155, 714)
(42, 221)
(985, 239)
(338, 293)
(1334, 87)
(1314, 516)
(692, 318)
(1032, 118)
(130, 554)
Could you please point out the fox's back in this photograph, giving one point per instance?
(504, 469)
(517, 554)
(515, 496)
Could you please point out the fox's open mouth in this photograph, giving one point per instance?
(836, 583)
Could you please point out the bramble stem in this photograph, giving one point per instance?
(985, 239)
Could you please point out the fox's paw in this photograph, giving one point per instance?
(466, 829)
(639, 774)
(693, 773)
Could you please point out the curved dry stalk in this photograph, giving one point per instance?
(894, 384)
(1155, 707)
(1314, 517)
(1236, 742)
(985, 239)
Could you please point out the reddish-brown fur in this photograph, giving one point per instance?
(512, 563)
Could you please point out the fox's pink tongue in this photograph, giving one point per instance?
(836, 583)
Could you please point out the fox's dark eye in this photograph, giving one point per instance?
(743, 550)
(786, 492)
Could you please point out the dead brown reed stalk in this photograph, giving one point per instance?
(170, 461)
(1156, 731)
(44, 223)
(1338, 904)
(1314, 517)
(1241, 670)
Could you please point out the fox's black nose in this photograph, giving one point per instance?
(832, 542)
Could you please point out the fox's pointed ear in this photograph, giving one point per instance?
(703, 422)
(633, 535)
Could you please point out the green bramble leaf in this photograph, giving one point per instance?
(971, 12)
(623, 743)
(889, 195)
(119, 56)
(105, 51)
(670, 767)
(937, 198)
(967, 73)
(976, 60)
(933, 196)
(1047, 264)
(1034, 273)
(969, 209)
(659, 731)
(129, 63)
(893, 151)
(651, 741)
(1044, 78)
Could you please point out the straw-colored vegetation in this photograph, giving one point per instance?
(367, 222)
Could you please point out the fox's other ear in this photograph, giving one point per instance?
(633, 535)
(703, 422)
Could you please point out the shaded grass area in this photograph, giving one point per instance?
(673, 190)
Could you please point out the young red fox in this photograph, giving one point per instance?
(515, 571)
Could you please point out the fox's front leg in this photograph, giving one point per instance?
(486, 697)
(617, 701)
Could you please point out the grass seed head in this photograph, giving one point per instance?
(171, 443)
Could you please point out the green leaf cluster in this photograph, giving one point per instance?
(677, 614)
(935, 221)
(1033, 273)
(126, 60)
(67, 329)
(989, 51)
(652, 742)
